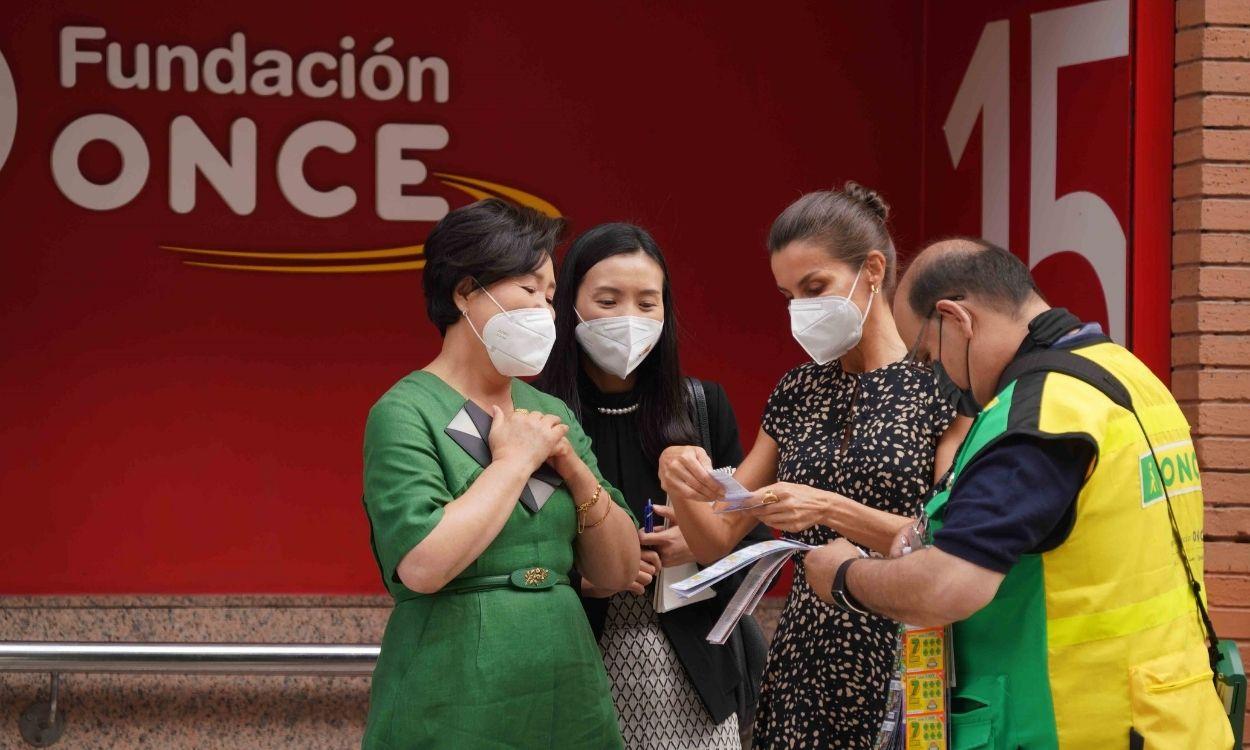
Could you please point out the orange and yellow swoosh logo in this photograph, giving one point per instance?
(379, 260)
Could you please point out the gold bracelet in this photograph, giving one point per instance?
(603, 518)
(591, 502)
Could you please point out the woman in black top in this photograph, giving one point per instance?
(616, 366)
(849, 446)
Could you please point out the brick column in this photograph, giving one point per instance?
(1211, 285)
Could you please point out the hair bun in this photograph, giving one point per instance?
(869, 198)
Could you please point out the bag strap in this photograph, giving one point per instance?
(750, 649)
(698, 397)
(1090, 372)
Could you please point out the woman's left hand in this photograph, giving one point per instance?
(648, 568)
(797, 506)
(565, 460)
(669, 543)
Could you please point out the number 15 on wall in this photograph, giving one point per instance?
(1079, 221)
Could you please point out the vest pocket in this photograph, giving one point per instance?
(1174, 702)
(976, 716)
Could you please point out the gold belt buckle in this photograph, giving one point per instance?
(533, 579)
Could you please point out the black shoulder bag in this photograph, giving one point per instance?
(749, 646)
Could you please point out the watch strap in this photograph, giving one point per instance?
(842, 596)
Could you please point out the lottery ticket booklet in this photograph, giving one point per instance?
(766, 559)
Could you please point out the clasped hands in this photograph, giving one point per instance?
(530, 438)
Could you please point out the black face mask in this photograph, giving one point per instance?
(962, 399)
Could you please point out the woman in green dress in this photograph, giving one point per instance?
(482, 493)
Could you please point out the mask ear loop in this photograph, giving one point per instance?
(872, 296)
(968, 368)
(465, 312)
(915, 345)
(591, 328)
(850, 297)
(492, 297)
(967, 350)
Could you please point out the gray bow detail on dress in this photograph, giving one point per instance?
(470, 428)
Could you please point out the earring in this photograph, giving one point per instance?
(876, 289)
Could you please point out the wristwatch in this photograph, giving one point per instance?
(842, 597)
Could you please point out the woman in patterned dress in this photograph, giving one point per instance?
(849, 445)
(616, 365)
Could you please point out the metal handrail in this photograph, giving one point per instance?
(41, 724)
(188, 658)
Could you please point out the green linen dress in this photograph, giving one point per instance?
(501, 668)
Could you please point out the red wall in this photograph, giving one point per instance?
(1085, 198)
(172, 428)
(167, 427)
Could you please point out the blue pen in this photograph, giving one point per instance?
(648, 517)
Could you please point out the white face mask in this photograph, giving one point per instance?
(517, 341)
(828, 327)
(618, 344)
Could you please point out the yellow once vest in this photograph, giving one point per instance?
(1100, 635)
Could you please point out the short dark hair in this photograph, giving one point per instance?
(849, 223)
(489, 240)
(985, 271)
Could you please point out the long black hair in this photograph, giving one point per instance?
(663, 415)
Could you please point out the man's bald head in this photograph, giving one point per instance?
(967, 268)
(982, 298)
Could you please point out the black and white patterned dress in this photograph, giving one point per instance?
(871, 437)
(673, 690)
(657, 706)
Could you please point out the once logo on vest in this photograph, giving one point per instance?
(1179, 465)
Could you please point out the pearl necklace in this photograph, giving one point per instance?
(617, 412)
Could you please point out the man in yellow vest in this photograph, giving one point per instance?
(1055, 543)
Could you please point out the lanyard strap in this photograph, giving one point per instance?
(1090, 372)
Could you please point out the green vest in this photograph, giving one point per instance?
(1101, 634)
